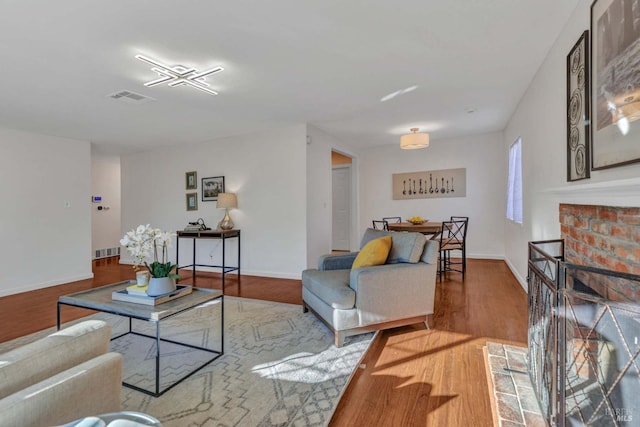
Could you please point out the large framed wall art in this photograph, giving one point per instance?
(578, 163)
(429, 184)
(615, 84)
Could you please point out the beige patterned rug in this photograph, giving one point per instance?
(279, 368)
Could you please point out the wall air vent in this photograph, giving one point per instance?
(130, 97)
(106, 253)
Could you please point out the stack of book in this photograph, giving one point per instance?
(135, 294)
(137, 290)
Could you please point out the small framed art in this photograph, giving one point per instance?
(191, 180)
(211, 187)
(192, 201)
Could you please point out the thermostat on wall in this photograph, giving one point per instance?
(96, 199)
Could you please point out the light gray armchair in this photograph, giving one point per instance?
(354, 301)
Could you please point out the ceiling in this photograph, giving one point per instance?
(325, 62)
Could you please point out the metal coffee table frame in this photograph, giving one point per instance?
(99, 299)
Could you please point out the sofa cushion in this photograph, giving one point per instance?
(331, 286)
(373, 253)
(405, 247)
(430, 252)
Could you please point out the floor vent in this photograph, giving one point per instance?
(105, 253)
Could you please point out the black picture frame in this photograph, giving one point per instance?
(578, 110)
(192, 201)
(211, 187)
(615, 84)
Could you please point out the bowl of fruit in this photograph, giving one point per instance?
(416, 220)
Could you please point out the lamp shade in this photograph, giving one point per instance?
(414, 140)
(227, 201)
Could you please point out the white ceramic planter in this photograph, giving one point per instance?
(160, 286)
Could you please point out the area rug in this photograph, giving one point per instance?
(279, 368)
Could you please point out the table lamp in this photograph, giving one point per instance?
(226, 201)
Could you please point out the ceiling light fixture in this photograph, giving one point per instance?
(414, 140)
(179, 75)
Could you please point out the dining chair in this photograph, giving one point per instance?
(380, 224)
(464, 239)
(392, 219)
(451, 239)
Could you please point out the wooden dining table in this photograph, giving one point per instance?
(428, 228)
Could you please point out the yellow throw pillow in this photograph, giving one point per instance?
(373, 253)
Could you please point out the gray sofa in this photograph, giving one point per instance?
(60, 378)
(353, 301)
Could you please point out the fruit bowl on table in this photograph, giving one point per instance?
(416, 220)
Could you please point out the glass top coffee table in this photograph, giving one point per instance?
(99, 299)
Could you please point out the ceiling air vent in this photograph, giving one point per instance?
(130, 97)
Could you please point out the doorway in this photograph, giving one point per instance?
(341, 184)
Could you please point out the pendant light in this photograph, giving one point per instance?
(414, 140)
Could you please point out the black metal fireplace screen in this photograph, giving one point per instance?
(584, 341)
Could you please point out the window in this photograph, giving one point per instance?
(514, 188)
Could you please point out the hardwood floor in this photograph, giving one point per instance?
(419, 377)
(411, 376)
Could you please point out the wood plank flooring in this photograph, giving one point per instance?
(411, 376)
(419, 377)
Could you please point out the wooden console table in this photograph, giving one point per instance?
(208, 234)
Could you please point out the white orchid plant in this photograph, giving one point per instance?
(144, 241)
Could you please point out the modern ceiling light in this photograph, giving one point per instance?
(414, 140)
(179, 75)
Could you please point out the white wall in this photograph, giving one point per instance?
(45, 218)
(319, 195)
(481, 155)
(267, 170)
(540, 120)
(319, 204)
(105, 182)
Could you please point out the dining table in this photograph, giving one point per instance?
(428, 228)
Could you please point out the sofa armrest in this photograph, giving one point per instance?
(336, 261)
(394, 291)
(90, 388)
(33, 362)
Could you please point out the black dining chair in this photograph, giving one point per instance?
(380, 224)
(451, 239)
(392, 219)
(464, 239)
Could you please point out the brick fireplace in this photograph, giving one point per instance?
(605, 237)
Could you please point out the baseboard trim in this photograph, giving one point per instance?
(244, 272)
(520, 279)
(486, 256)
(42, 285)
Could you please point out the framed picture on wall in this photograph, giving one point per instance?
(191, 180)
(211, 187)
(578, 162)
(192, 201)
(615, 84)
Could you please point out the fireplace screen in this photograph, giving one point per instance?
(599, 349)
(544, 263)
(584, 341)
